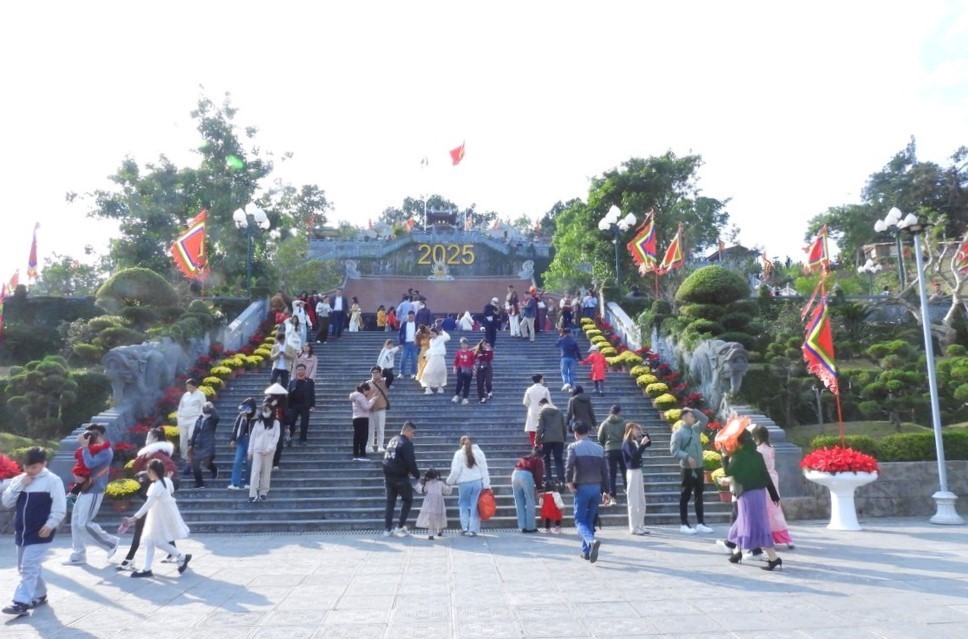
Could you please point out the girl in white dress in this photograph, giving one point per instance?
(356, 317)
(163, 522)
(435, 373)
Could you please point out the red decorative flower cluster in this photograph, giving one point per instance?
(123, 447)
(839, 460)
(714, 426)
(8, 467)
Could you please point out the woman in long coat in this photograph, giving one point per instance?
(751, 529)
(435, 373)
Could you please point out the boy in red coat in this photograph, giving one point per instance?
(81, 470)
(549, 509)
(598, 364)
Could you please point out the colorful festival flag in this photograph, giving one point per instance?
(673, 256)
(642, 246)
(818, 257)
(32, 271)
(14, 282)
(188, 251)
(818, 347)
(961, 258)
(410, 224)
(456, 155)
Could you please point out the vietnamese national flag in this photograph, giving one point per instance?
(456, 155)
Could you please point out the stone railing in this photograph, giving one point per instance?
(236, 334)
(624, 326)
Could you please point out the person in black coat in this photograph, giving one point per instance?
(340, 307)
(201, 446)
(399, 464)
(491, 318)
(302, 401)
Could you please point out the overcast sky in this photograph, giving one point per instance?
(791, 105)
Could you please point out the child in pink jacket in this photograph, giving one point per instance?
(598, 364)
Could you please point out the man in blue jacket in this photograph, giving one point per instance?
(570, 354)
(89, 502)
(38, 496)
(586, 472)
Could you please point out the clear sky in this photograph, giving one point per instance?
(791, 105)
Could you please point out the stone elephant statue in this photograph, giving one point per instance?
(719, 366)
(138, 376)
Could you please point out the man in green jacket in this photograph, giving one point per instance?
(686, 446)
(610, 435)
(551, 435)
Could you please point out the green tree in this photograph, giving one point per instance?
(152, 204)
(62, 275)
(665, 184)
(40, 391)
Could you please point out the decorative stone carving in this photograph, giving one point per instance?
(438, 271)
(352, 269)
(138, 376)
(527, 270)
(719, 366)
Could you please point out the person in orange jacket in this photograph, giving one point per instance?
(598, 364)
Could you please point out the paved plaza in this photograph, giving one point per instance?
(896, 579)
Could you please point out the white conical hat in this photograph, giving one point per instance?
(275, 389)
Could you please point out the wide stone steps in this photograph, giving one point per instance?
(320, 488)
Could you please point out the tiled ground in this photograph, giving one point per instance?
(897, 579)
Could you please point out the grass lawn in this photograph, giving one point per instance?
(9, 442)
(802, 435)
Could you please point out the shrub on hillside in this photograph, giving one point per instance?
(863, 443)
(956, 350)
(745, 339)
(704, 326)
(921, 446)
(703, 311)
(136, 287)
(713, 285)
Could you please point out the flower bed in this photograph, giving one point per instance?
(839, 460)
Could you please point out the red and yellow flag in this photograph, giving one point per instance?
(673, 256)
(818, 347)
(818, 257)
(32, 270)
(961, 258)
(456, 155)
(188, 251)
(642, 246)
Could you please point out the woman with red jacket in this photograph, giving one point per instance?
(157, 447)
(464, 361)
(598, 364)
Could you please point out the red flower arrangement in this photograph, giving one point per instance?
(839, 460)
(123, 448)
(8, 467)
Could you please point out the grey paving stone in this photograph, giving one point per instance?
(420, 631)
(350, 631)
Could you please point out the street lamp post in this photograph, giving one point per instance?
(871, 269)
(249, 223)
(616, 224)
(893, 217)
(944, 498)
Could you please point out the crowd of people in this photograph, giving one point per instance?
(588, 466)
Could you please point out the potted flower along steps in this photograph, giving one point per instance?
(842, 471)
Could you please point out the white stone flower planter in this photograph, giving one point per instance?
(843, 514)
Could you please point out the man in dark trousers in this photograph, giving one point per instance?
(407, 337)
(302, 401)
(492, 315)
(399, 464)
(340, 306)
(424, 317)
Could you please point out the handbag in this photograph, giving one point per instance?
(735, 487)
(385, 398)
(559, 502)
(486, 506)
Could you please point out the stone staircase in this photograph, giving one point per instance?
(319, 487)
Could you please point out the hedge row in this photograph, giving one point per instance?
(902, 446)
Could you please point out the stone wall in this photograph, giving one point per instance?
(902, 489)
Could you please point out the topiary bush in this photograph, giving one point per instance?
(702, 311)
(863, 443)
(704, 326)
(956, 350)
(713, 285)
(747, 340)
(735, 321)
(921, 446)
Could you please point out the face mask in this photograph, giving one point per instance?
(206, 411)
(267, 412)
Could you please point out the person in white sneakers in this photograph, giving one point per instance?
(686, 446)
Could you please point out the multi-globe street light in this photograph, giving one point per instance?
(944, 499)
(249, 223)
(614, 222)
(893, 217)
(871, 268)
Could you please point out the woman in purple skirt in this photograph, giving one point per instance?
(748, 474)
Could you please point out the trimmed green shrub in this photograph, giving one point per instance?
(661, 307)
(863, 443)
(736, 321)
(136, 287)
(705, 326)
(713, 285)
(702, 311)
(956, 350)
(921, 447)
(745, 339)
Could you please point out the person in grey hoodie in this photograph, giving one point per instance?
(83, 526)
(551, 435)
(580, 408)
(611, 433)
(686, 446)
